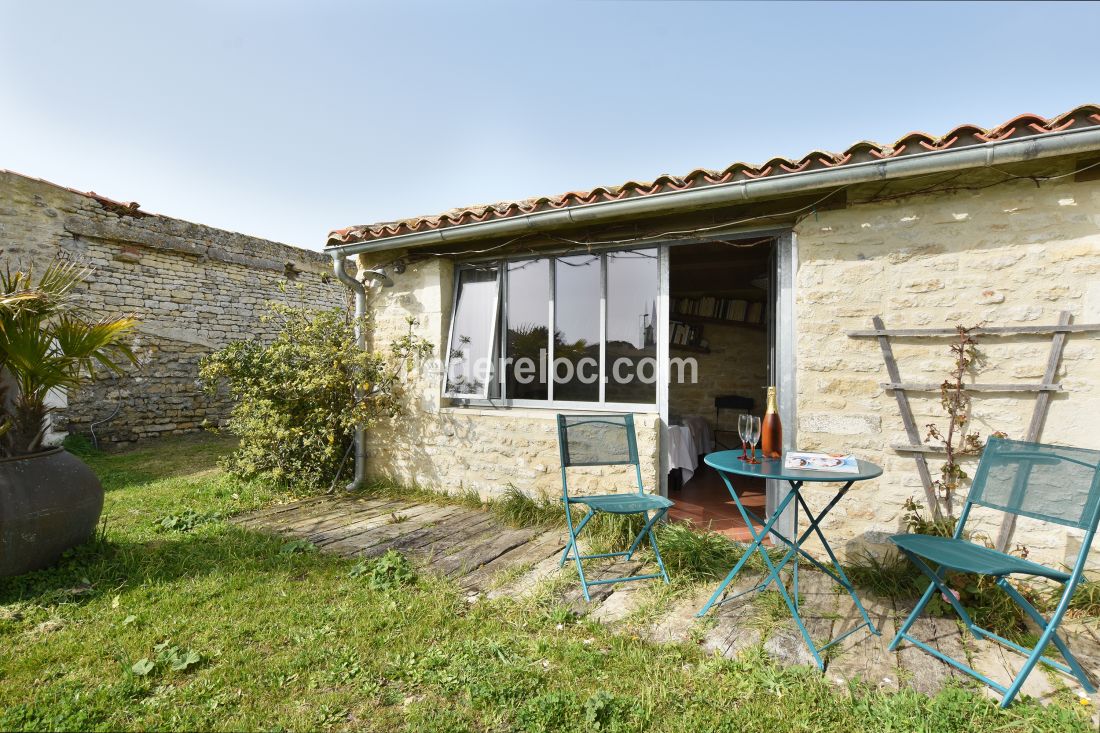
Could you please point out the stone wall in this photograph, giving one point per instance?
(736, 365)
(1005, 254)
(195, 288)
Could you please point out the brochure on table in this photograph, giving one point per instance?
(828, 462)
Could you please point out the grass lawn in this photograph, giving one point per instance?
(178, 620)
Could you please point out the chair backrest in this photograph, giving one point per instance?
(1052, 483)
(598, 440)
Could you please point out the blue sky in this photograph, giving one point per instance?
(286, 120)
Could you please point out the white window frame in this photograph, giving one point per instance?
(491, 377)
(502, 318)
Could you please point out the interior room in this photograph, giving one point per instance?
(719, 316)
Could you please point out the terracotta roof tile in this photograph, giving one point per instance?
(1087, 115)
(122, 208)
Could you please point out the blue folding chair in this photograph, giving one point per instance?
(1046, 482)
(606, 440)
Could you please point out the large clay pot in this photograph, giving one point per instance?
(49, 503)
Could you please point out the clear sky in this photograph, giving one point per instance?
(286, 120)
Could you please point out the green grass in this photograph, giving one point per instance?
(889, 574)
(202, 625)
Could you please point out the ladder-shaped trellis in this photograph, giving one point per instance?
(1043, 389)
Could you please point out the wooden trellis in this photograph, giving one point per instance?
(1043, 389)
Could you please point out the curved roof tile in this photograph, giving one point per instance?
(1086, 115)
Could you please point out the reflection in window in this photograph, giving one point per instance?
(632, 326)
(576, 356)
(526, 344)
(550, 323)
(473, 333)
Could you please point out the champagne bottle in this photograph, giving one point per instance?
(771, 430)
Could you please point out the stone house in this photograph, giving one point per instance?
(759, 274)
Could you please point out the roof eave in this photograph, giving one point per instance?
(997, 152)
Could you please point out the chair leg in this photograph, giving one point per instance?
(573, 532)
(937, 580)
(646, 529)
(924, 599)
(1059, 643)
(1032, 659)
(574, 546)
(657, 551)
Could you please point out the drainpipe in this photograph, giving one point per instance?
(360, 341)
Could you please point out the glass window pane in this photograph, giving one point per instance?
(576, 365)
(632, 279)
(526, 340)
(473, 332)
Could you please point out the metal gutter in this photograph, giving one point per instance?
(360, 294)
(1046, 145)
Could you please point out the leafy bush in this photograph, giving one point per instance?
(299, 396)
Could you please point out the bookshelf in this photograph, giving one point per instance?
(688, 314)
(716, 321)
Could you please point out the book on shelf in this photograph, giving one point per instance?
(683, 334)
(829, 462)
(722, 309)
(755, 313)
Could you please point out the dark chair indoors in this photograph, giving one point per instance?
(730, 403)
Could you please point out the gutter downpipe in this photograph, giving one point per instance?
(360, 294)
(983, 155)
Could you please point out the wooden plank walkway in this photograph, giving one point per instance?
(490, 559)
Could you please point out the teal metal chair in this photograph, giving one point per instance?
(1046, 482)
(606, 440)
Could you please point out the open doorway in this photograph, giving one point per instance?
(719, 316)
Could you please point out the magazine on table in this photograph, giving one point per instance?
(832, 462)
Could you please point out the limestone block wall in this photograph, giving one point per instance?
(737, 364)
(1005, 254)
(450, 448)
(194, 287)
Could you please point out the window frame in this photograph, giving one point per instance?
(496, 390)
(492, 377)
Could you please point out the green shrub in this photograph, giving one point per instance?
(296, 397)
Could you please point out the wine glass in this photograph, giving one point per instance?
(754, 436)
(743, 425)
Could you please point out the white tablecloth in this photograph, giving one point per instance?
(682, 453)
(700, 433)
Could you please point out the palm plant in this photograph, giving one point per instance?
(46, 344)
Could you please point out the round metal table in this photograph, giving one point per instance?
(728, 463)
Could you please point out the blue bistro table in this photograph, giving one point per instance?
(728, 464)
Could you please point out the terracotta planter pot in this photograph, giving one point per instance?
(49, 503)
